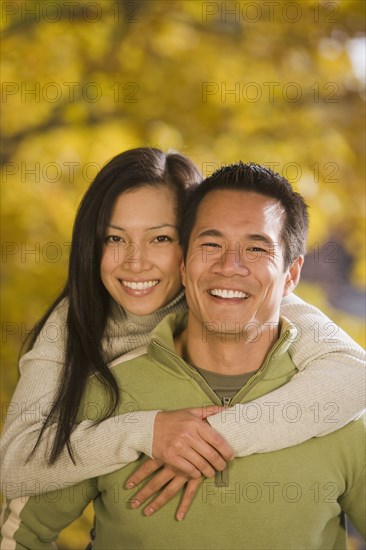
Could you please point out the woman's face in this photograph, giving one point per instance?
(141, 255)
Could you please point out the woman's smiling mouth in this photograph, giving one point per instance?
(140, 285)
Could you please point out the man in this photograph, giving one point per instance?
(244, 239)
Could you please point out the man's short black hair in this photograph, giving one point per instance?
(254, 178)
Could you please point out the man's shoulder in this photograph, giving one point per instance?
(171, 325)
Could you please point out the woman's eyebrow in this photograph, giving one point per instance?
(115, 227)
(148, 229)
(161, 226)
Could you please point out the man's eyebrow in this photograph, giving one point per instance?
(259, 237)
(210, 233)
(148, 229)
(217, 233)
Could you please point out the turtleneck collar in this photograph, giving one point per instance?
(125, 331)
(150, 321)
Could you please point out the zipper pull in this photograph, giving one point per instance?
(222, 478)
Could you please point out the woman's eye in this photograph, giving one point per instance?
(113, 239)
(162, 239)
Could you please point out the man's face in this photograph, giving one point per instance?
(234, 272)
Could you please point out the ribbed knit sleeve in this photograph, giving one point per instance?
(98, 449)
(327, 392)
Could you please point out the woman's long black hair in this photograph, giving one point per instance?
(88, 300)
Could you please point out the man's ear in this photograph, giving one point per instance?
(293, 275)
(183, 272)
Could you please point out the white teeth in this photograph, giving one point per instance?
(140, 286)
(228, 293)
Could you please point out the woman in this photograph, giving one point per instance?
(123, 279)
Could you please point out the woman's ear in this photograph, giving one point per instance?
(183, 273)
(293, 275)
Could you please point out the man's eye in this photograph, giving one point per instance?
(256, 249)
(211, 245)
(162, 239)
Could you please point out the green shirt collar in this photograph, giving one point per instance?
(174, 323)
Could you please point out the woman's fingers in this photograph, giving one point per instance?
(144, 471)
(213, 438)
(204, 412)
(186, 442)
(194, 457)
(169, 491)
(153, 486)
(168, 482)
(188, 495)
(183, 441)
(166, 494)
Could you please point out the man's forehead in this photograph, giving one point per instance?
(242, 215)
(238, 201)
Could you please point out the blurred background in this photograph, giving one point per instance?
(278, 83)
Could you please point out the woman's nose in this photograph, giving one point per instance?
(136, 258)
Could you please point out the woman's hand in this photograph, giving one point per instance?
(183, 440)
(167, 479)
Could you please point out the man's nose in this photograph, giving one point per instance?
(232, 261)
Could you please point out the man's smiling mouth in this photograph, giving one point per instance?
(228, 294)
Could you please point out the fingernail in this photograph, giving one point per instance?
(130, 485)
(180, 516)
(135, 503)
(148, 511)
